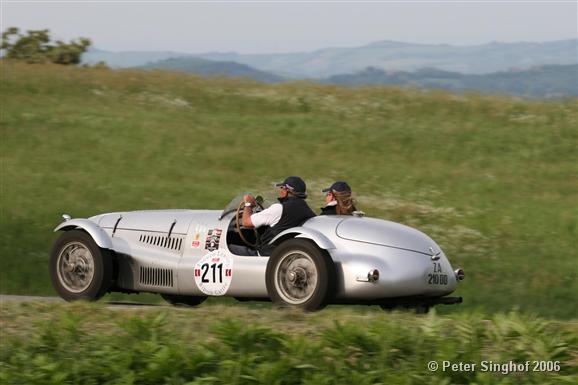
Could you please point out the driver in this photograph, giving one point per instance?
(291, 211)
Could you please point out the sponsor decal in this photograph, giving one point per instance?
(196, 241)
(213, 239)
(199, 230)
(214, 272)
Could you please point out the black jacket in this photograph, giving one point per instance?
(295, 212)
(329, 210)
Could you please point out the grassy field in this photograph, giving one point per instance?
(492, 179)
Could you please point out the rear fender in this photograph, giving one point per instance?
(303, 232)
(96, 232)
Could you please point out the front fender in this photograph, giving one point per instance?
(303, 232)
(96, 232)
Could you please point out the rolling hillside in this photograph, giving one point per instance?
(534, 70)
(553, 81)
(213, 68)
(384, 55)
(544, 82)
(398, 56)
(126, 59)
(492, 179)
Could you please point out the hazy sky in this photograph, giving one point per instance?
(275, 26)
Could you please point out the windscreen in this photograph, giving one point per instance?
(236, 201)
(232, 205)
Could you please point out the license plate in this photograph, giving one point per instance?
(437, 276)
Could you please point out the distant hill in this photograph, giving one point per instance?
(385, 55)
(214, 68)
(538, 70)
(478, 59)
(550, 81)
(126, 59)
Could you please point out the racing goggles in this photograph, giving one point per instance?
(285, 186)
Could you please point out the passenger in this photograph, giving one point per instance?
(338, 200)
(291, 211)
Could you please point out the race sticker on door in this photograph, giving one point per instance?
(214, 272)
(213, 238)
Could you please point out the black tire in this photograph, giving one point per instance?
(87, 280)
(290, 288)
(183, 300)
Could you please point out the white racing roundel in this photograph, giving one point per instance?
(214, 272)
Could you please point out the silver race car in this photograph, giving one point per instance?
(184, 256)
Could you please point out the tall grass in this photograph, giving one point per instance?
(88, 344)
(492, 179)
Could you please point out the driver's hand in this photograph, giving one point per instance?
(251, 199)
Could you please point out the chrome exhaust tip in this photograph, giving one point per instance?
(460, 274)
(373, 275)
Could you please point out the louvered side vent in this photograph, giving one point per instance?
(154, 276)
(172, 243)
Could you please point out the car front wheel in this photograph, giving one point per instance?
(301, 275)
(79, 269)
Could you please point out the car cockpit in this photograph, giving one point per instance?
(237, 234)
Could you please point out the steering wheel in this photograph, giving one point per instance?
(238, 225)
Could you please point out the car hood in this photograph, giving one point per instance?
(386, 233)
(148, 220)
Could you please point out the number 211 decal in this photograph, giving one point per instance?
(214, 272)
(217, 272)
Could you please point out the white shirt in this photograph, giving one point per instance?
(268, 217)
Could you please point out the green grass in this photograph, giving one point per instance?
(492, 179)
(216, 344)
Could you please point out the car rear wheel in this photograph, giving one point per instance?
(301, 275)
(183, 300)
(79, 269)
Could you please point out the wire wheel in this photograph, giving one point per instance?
(75, 267)
(79, 269)
(300, 274)
(296, 277)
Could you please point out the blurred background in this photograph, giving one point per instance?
(457, 118)
(185, 106)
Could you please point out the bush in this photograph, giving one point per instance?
(36, 47)
(88, 344)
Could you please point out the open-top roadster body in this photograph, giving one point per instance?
(184, 256)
